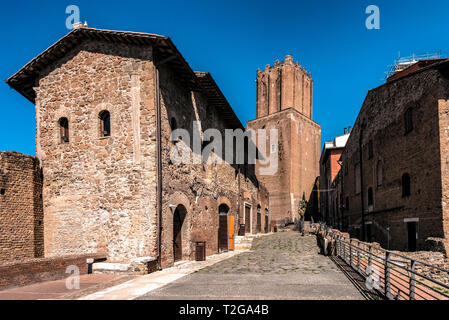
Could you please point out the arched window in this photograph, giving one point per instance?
(406, 185)
(408, 117)
(64, 130)
(105, 123)
(379, 174)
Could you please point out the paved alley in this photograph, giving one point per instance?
(280, 266)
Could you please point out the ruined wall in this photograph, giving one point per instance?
(200, 187)
(99, 192)
(298, 161)
(416, 153)
(21, 217)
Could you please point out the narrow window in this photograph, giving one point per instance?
(105, 123)
(379, 174)
(408, 121)
(173, 124)
(370, 197)
(406, 185)
(2, 192)
(64, 130)
(370, 150)
(357, 179)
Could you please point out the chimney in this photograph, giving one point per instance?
(346, 131)
(77, 25)
(349, 129)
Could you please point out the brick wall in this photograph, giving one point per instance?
(29, 271)
(298, 162)
(201, 188)
(99, 192)
(21, 218)
(416, 153)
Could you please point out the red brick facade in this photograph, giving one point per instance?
(403, 130)
(284, 102)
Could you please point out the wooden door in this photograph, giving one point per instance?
(266, 224)
(247, 219)
(259, 222)
(223, 233)
(177, 236)
(231, 233)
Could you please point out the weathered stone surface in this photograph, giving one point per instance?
(100, 192)
(422, 153)
(21, 217)
(284, 102)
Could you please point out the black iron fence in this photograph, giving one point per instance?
(395, 276)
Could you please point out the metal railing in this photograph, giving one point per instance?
(395, 276)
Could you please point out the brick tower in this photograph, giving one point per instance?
(285, 102)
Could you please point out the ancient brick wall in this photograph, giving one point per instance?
(285, 103)
(21, 218)
(29, 271)
(394, 154)
(200, 187)
(99, 192)
(299, 140)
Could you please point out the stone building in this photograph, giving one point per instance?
(285, 103)
(329, 168)
(107, 103)
(21, 216)
(395, 177)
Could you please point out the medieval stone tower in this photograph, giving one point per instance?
(285, 103)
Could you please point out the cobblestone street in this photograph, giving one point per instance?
(280, 266)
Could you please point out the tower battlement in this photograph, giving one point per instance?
(283, 86)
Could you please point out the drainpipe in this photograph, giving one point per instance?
(239, 201)
(159, 164)
(362, 193)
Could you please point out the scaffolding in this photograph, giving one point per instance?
(403, 63)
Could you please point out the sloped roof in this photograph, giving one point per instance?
(164, 51)
(217, 99)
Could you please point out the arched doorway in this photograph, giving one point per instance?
(223, 211)
(266, 221)
(259, 220)
(178, 220)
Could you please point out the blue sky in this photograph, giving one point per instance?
(232, 39)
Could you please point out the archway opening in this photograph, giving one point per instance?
(223, 211)
(266, 220)
(178, 221)
(259, 220)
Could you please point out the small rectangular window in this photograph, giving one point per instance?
(408, 121)
(2, 192)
